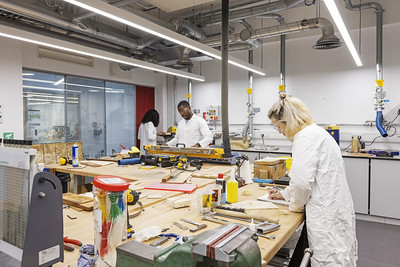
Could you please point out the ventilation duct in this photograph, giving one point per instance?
(328, 39)
(44, 18)
(261, 9)
(184, 60)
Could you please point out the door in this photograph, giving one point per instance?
(144, 102)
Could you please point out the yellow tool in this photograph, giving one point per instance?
(194, 152)
(183, 162)
(132, 197)
(65, 161)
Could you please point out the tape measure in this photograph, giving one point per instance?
(132, 197)
(65, 161)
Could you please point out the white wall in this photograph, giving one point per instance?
(335, 90)
(11, 98)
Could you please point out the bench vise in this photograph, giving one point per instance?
(228, 245)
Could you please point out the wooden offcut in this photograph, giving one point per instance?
(79, 201)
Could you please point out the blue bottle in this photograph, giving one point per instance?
(75, 150)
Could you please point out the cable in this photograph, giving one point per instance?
(373, 140)
(346, 147)
(388, 126)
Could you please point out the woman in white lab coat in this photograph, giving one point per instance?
(318, 185)
(147, 133)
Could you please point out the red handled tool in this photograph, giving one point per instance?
(71, 241)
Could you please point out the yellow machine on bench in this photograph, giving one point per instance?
(204, 154)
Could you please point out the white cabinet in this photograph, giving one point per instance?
(357, 178)
(385, 185)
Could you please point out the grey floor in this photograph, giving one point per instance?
(378, 244)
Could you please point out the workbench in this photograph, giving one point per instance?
(158, 212)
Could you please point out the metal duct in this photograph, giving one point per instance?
(379, 93)
(184, 26)
(242, 5)
(306, 24)
(35, 15)
(276, 16)
(250, 12)
(174, 24)
(184, 60)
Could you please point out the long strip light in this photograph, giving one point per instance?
(135, 21)
(38, 39)
(333, 10)
(59, 81)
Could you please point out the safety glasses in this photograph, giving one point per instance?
(276, 127)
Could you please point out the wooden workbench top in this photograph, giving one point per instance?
(162, 215)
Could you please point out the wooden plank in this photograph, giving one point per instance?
(78, 201)
(212, 173)
(180, 178)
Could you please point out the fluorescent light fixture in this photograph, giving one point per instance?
(38, 39)
(28, 74)
(37, 80)
(41, 103)
(42, 88)
(333, 10)
(142, 24)
(59, 81)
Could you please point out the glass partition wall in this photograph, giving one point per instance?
(61, 108)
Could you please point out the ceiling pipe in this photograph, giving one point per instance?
(306, 24)
(133, 44)
(174, 24)
(225, 80)
(240, 6)
(379, 93)
(250, 12)
(276, 16)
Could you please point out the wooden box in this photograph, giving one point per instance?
(269, 168)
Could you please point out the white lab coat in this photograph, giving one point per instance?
(318, 183)
(147, 135)
(194, 131)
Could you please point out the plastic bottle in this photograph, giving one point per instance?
(221, 181)
(204, 200)
(252, 225)
(75, 153)
(232, 189)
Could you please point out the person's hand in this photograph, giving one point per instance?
(160, 133)
(165, 144)
(196, 145)
(275, 194)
